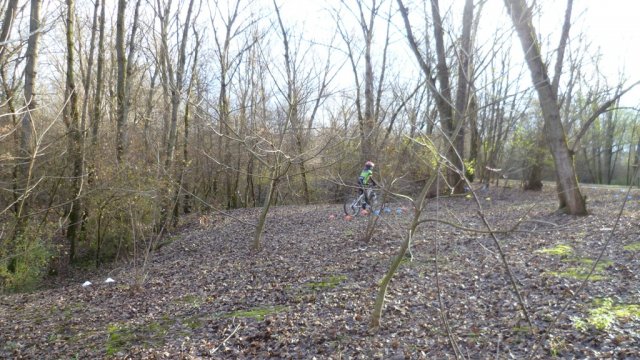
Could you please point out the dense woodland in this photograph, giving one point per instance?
(119, 118)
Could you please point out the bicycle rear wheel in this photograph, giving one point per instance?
(352, 206)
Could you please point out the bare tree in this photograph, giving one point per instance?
(76, 144)
(124, 63)
(452, 113)
(23, 170)
(300, 93)
(27, 124)
(173, 79)
(569, 194)
(121, 131)
(9, 88)
(97, 103)
(229, 61)
(86, 84)
(368, 105)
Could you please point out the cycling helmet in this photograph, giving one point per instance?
(369, 164)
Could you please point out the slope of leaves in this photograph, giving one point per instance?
(310, 291)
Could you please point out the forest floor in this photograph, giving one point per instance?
(310, 292)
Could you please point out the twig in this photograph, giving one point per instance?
(443, 313)
(512, 280)
(226, 339)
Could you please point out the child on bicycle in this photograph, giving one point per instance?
(365, 180)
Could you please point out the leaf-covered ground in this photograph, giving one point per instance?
(309, 293)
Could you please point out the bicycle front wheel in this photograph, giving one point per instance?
(352, 206)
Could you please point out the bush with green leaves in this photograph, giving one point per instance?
(25, 267)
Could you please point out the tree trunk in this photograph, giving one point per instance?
(367, 123)
(7, 23)
(225, 146)
(535, 164)
(631, 158)
(608, 165)
(96, 113)
(23, 170)
(176, 85)
(367, 114)
(5, 31)
(97, 110)
(174, 81)
(452, 116)
(76, 148)
(87, 81)
(257, 238)
(636, 164)
(26, 126)
(121, 117)
(464, 88)
(186, 206)
(569, 195)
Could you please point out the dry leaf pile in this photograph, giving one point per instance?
(309, 292)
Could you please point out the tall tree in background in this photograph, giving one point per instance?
(7, 85)
(368, 112)
(97, 103)
(5, 30)
(499, 113)
(299, 93)
(569, 194)
(175, 79)
(86, 83)
(121, 102)
(233, 27)
(452, 112)
(125, 62)
(76, 145)
(26, 127)
(176, 84)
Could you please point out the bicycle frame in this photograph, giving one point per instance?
(353, 207)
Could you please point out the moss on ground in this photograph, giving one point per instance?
(560, 250)
(605, 313)
(327, 283)
(257, 313)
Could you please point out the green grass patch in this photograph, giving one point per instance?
(121, 336)
(578, 274)
(257, 313)
(192, 300)
(560, 250)
(633, 246)
(588, 263)
(605, 313)
(326, 283)
(521, 329)
(581, 271)
(193, 322)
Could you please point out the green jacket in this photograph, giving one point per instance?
(364, 176)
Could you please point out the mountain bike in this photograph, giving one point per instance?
(353, 205)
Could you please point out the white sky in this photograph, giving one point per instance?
(612, 26)
(613, 29)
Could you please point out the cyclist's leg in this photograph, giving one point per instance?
(366, 198)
